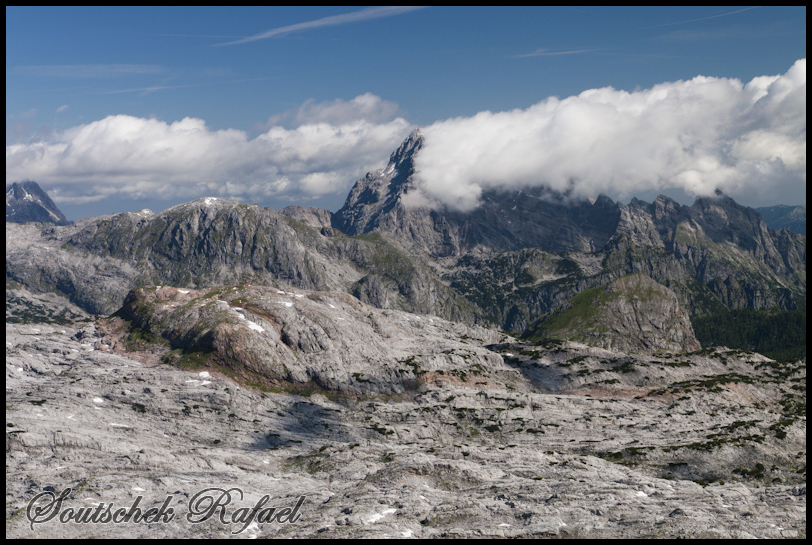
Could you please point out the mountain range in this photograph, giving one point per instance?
(528, 369)
(511, 263)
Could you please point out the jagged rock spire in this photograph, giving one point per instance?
(26, 201)
(407, 149)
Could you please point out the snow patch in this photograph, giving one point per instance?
(98, 400)
(255, 326)
(378, 516)
(184, 292)
(204, 374)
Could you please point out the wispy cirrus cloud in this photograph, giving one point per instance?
(703, 18)
(547, 53)
(333, 20)
(87, 71)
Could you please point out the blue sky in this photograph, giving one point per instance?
(114, 109)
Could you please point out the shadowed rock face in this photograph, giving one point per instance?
(505, 220)
(26, 201)
(632, 314)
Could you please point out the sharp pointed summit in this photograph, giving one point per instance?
(408, 149)
(26, 201)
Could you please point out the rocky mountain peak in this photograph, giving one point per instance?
(665, 206)
(408, 149)
(633, 314)
(26, 201)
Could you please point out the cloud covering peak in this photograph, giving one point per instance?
(696, 135)
(133, 157)
(749, 140)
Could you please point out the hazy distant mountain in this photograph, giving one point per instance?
(26, 201)
(782, 216)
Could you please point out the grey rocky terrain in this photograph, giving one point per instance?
(493, 437)
(213, 242)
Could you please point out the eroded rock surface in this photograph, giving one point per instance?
(293, 338)
(543, 440)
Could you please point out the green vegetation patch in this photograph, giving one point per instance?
(778, 334)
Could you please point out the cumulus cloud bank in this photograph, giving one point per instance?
(697, 135)
(749, 140)
(128, 156)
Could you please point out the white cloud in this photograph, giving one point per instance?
(697, 135)
(62, 108)
(133, 157)
(369, 107)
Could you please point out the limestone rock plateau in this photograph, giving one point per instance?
(506, 439)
